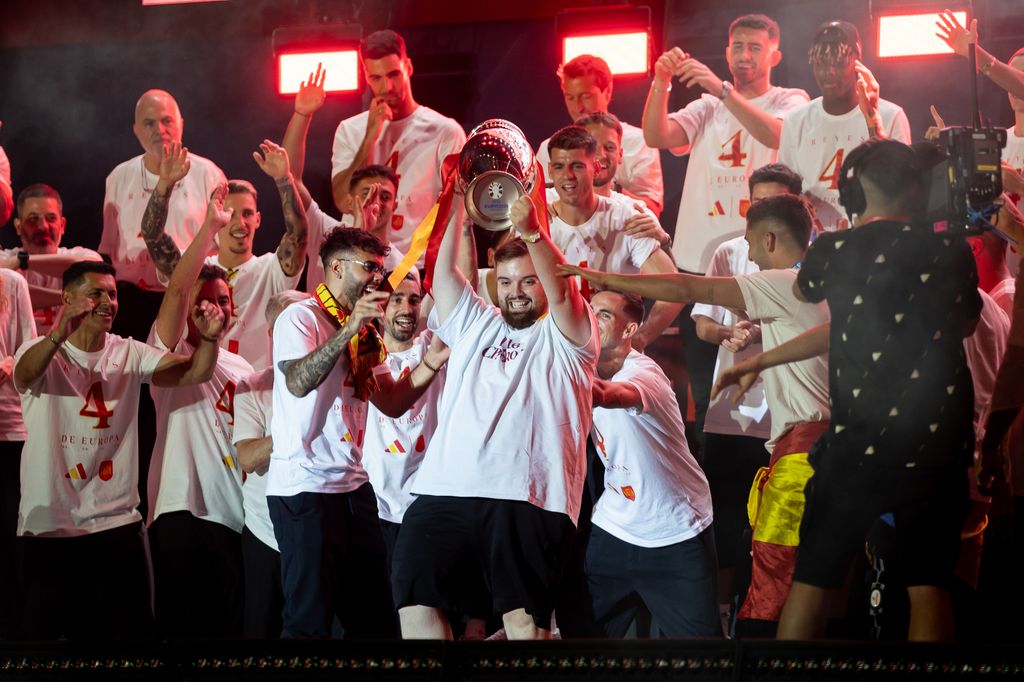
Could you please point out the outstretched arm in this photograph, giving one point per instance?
(308, 101)
(811, 343)
(616, 394)
(174, 165)
(960, 40)
(291, 250)
(675, 286)
(395, 397)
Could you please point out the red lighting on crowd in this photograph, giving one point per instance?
(626, 53)
(912, 35)
(342, 67)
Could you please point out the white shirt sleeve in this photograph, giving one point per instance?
(692, 119)
(250, 420)
(467, 312)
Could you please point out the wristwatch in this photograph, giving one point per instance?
(726, 90)
(531, 238)
(23, 260)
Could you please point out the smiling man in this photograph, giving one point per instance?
(251, 279)
(40, 225)
(395, 131)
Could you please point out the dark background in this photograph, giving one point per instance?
(71, 71)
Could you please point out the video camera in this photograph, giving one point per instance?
(963, 187)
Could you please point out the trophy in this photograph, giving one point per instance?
(496, 167)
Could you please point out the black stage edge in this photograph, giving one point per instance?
(485, 661)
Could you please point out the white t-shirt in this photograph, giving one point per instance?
(600, 243)
(640, 170)
(814, 143)
(45, 317)
(195, 466)
(751, 417)
(129, 187)
(252, 285)
(320, 225)
(1003, 294)
(253, 408)
(798, 391)
(318, 438)
(655, 492)
(16, 327)
(515, 413)
(1013, 154)
(414, 147)
(80, 465)
(394, 448)
(723, 154)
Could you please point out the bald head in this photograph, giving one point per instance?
(157, 121)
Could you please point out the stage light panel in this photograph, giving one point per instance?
(342, 68)
(626, 53)
(912, 35)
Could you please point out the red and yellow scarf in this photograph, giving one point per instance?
(365, 350)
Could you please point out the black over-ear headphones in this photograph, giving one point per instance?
(851, 191)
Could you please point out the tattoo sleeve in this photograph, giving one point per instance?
(306, 373)
(291, 252)
(162, 249)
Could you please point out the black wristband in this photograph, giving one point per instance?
(23, 260)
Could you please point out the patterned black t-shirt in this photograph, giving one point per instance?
(900, 298)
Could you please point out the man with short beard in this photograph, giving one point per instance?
(499, 489)
(326, 356)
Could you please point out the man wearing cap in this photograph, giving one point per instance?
(587, 87)
(817, 137)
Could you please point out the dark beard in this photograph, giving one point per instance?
(520, 320)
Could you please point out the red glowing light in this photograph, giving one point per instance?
(174, 2)
(912, 35)
(626, 53)
(342, 68)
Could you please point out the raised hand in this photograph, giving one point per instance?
(274, 161)
(523, 215)
(208, 319)
(692, 72)
(595, 277)
(216, 215)
(369, 307)
(642, 225)
(932, 133)
(71, 315)
(1013, 181)
(742, 375)
(668, 65)
(378, 113)
(311, 94)
(867, 96)
(954, 34)
(367, 209)
(173, 166)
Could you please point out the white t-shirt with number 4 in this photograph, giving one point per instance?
(723, 154)
(80, 465)
(815, 143)
(195, 467)
(414, 148)
(318, 438)
(515, 412)
(394, 448)
(655, 492)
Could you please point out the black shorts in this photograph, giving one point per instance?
(452, 550)
(925, 509)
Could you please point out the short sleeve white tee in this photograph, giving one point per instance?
(414, 147)
(1003, 294)
(195, 466)
(751, 417)
(815, 143)
(129, 187)
(45, 317)
(600, 243)
(394, 448)
(252, 285)
(655, 492)
(798, 391)
(723, 154)
(16, 327)
(318, 438)
(1013, 154)
(80, 465)
(640, 170)
(253, 408)
(515, 411)
(320, 225)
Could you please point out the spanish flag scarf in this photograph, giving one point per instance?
(365, 350)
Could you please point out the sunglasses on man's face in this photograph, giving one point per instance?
(372, 267)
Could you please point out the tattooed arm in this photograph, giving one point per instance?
(174, 165)
(306, 373)
(291, 251)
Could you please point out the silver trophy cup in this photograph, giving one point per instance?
(495, 169)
